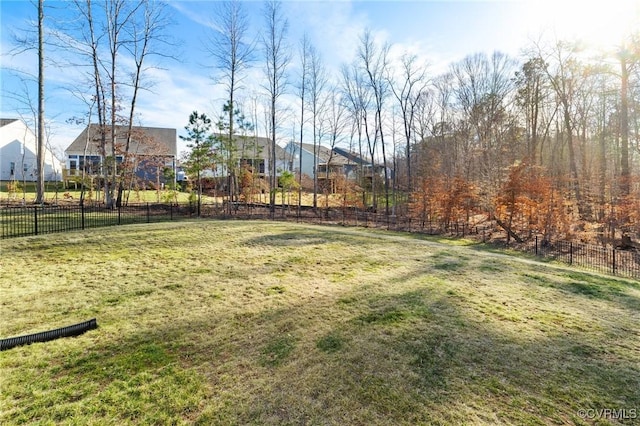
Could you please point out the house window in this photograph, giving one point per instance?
(255, 164)
(12, 168)
(90, 163)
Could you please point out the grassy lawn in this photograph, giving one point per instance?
(149, 196)
(73, 196)
(231, 322)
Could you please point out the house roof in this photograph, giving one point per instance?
(326, 155)
(339, 156)
(144, 140)
(353, 157)
(248, 146)
(5, 121)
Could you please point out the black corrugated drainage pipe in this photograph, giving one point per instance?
(45, 336)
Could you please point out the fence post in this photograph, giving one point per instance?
(119, 215)
(614, 260)
(536, 245)
(82, 215)
(571, 253)
(148, 214)
(35, 220)
(171, 211)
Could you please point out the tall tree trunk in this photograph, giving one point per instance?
(384, 164)
(315, 164)
(624, 127)
(41, 133)
(300, 153)
(602, 159)
(573, 170)
(231, 170)
(272, 200)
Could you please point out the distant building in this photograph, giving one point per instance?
(254, 152)
(18, 158)
(151, 150)
(329, 162)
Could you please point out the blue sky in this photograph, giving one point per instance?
(439, 32)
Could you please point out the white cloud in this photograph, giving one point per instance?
(196, 15)
(333, 27)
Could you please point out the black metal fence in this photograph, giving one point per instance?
(607, 260)
(37, 220)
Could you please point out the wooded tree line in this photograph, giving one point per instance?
(547, 142)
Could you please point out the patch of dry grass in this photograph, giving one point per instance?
(211, 322)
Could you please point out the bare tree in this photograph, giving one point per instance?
(357, 100)
(304, 49)
(119, 15)
(408, 89)
(563, 72)
(532, 94)
(628, 55)
(483, 87)
(277, 58)
(29, 113)
(335, 117)
(317, 81)
(373, 60)
(95, 43)
(146, 37)
(232, 53)
(41, 132)
(24, 43)
(436, 119)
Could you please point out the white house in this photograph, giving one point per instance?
(336, 160)
(18, 160)
(292, 150)
(330, 163)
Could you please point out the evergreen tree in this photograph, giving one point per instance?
(202, 155)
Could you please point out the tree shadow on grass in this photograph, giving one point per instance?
(310, 236)
(289, 239)
(591, 287)
(414, 356)
(448, 358)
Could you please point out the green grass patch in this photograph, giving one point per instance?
(276, 289)
(331, 342)
(232, 322)
(277, 350)
(388, 316)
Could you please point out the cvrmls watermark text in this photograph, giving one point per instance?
(609, 413)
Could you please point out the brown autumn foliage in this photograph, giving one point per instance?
(528, 203)
(444, 201)
(625, 214)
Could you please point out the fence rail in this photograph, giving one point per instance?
(36, 220)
